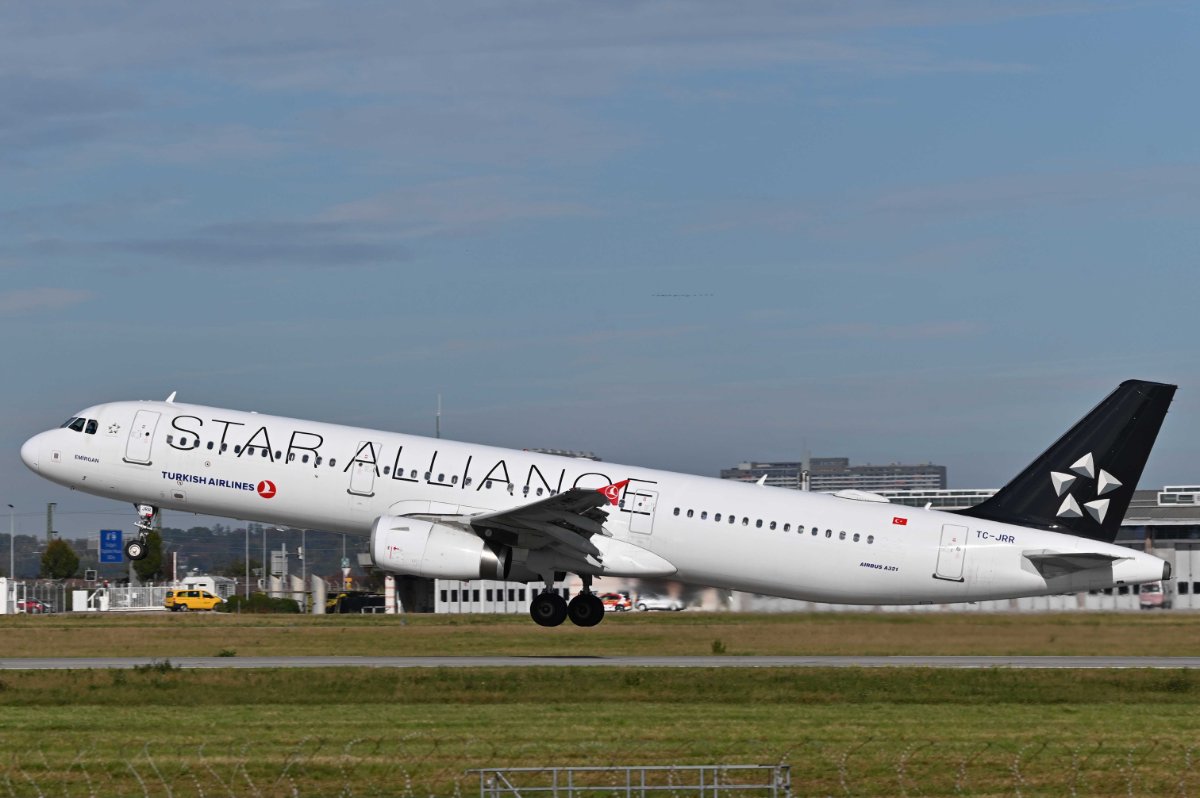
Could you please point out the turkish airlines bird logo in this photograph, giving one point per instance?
(613, 492)
(266, 489)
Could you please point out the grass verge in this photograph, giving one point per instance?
(162, 731)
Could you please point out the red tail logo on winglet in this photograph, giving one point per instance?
(613, 492)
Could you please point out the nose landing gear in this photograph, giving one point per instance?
(147, 515)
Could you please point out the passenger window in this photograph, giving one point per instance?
(487, 484)
(842, 535)
(412, 474)
(828, 533)
(733, 519)
(224, 448)
(855, 537)
(426, 476)
(870, 538)
(467, 482)
(772, 525)
(210, 445)
(91, 426)
(170, 439)
(676, 511)
(788, 528)
(704, 515)
(317, 461)
(441, 477)
(387, 470)
(250, 451)
(278, 454)
(77, 424)
(689, 513)
(758, 524)
(303, 458)
(539, 490)
(717, 517)
(332, 462)
(745, 521)
(815, 531)
(524, 490)
(237, 449)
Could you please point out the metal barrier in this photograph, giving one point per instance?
(635, 780)
(137, 598)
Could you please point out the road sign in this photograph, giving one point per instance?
(110, 545)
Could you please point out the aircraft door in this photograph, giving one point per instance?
(362, 469)
(951, 553)
(641, 504)
(141, 437)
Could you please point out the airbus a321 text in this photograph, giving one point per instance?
(437, 508)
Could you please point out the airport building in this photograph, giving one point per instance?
(1165, 522)
(836, 473)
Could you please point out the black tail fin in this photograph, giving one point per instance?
(1083, 483)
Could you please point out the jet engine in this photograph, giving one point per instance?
(424, 548)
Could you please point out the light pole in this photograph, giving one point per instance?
(304, 567)
(12, 562)
(247, 560)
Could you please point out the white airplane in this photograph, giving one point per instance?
(437, 508)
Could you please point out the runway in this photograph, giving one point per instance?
(1014, 663)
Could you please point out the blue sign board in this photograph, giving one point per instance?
(110, 545)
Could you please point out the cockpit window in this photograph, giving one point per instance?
(67, 423)
(91, 426)
(77, 424)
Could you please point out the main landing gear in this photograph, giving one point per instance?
(551, 609)
(136, 549)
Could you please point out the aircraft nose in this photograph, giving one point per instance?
(29, 452)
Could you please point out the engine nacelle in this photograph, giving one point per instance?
(423, 548)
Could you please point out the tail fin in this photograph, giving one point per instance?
(1083, 483)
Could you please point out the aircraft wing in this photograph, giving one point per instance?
(1053, 563)
(565, 521)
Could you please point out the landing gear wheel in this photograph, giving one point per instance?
(135, 549)
(548, 609)
(586, 609)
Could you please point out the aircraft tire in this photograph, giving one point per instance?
(135, 550)
(586, 609)
(548, 609)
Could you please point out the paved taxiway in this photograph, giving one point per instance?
(82, 663)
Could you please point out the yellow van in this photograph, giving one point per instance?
(184, 600)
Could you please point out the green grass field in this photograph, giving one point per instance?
(378, 732)
(385, 732)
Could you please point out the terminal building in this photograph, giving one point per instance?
(835, 473)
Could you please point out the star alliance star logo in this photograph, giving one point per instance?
(1084, 467)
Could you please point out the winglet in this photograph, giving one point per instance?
(171, 398)
(613, 492)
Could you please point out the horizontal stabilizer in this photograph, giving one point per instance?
(1054, 563)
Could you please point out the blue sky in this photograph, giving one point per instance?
(903, 232)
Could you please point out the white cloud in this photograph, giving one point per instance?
(30, 300)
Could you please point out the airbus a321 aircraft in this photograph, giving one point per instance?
(437, 508)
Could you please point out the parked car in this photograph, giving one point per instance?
(33, 606)
(184, 600)
(616, 602)
(653, 602)
(1153, 596)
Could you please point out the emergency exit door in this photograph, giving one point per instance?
(641, 505)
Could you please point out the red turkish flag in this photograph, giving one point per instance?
(898, 521)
